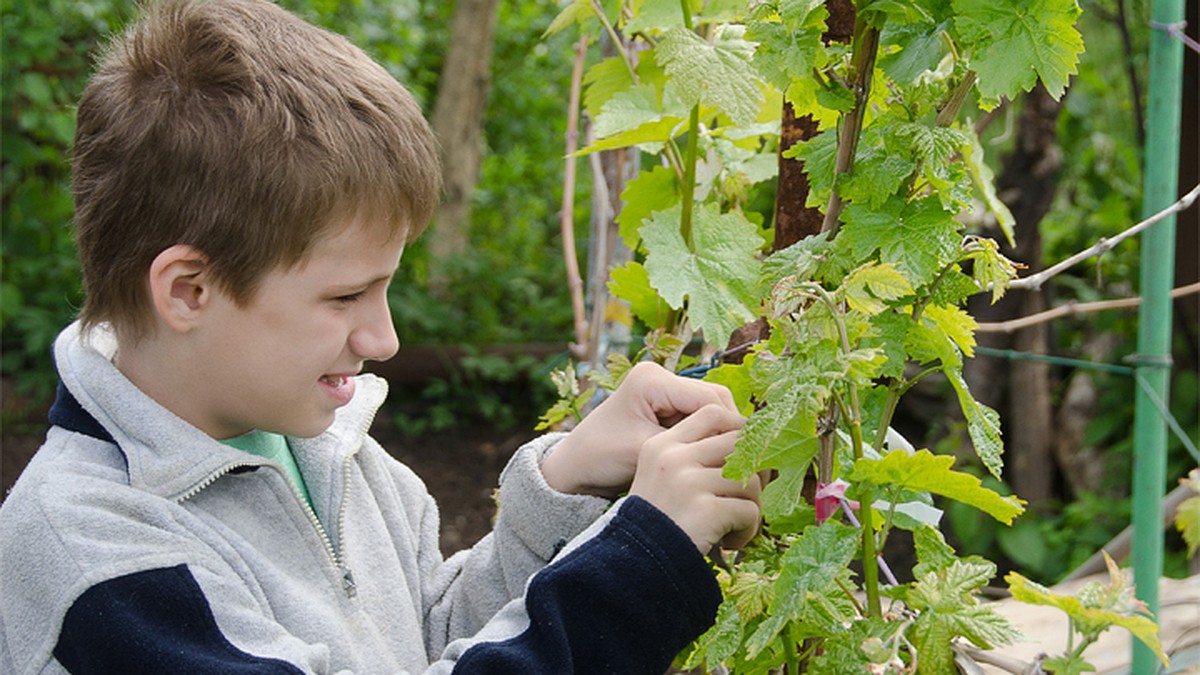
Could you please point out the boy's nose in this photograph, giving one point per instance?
(375, 339)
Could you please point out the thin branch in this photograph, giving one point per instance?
(1034, 281)
(567, 215)
(866, 48)
(1074, 309)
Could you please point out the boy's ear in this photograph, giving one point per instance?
(180, 286)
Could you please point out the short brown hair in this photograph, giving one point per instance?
(235, 127)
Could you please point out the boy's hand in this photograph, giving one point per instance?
(679, 472)
(600, 455)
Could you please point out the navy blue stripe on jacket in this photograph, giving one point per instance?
(626, 601)
(153, 621)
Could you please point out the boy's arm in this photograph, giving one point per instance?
(633, 590)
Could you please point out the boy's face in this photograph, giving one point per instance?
(284, 362)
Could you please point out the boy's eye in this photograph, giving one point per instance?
(352, 297)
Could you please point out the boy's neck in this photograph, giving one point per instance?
(159, 366)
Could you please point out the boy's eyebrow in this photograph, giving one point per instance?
(381, 279)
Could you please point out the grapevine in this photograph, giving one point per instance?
(855, 315)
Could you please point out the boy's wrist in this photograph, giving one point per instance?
(560, 471)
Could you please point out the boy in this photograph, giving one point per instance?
(208, 500)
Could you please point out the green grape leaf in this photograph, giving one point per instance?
(927, 472)
(721, 640)
(736, 378)
(810, 566)
(933, 553)
(869, 286)
(891, 329)
(919, 238)
(791, 46)
(819, 155)
(603, 81)
(717, 74)
(1096, 618)
(983, 424)
(985, 183)
(877, 175)
(718, 277)
(1013, 43)
(632, 117)
(631, 282)
(948, 610)
(793, 391)
(1070, 664)
(955, 324)
(649, 191)
(1187, 521)
(655, 15)
(922, 46)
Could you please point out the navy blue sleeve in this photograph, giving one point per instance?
(626, 601)
(154, 621)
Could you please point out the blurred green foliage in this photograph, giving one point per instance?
(46, 47)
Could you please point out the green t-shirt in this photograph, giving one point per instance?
(275, 447)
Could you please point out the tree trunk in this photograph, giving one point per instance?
(1020, 390)
(458, 124)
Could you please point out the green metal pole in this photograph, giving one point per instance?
(1160, 184)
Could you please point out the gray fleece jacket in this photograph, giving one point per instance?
(133, 542)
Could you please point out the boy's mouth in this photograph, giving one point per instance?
(339, 387)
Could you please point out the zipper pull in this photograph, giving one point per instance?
(348, 584)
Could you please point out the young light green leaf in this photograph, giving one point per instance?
(919, 238)
(983, 424)
(1187, 516)
(792, 392)
(1034, 593)
(1013, 43)
(717, 74)
(870, 285)
(925, 471)
(630, 282)
(948, 609)
(718, 277)
(603, 81)
(575, 12)
(991, 270)
(955, 324)
(631, 117)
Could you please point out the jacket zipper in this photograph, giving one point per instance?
(339, 564)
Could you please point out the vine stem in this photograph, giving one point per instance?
(689, 162)
(853, 418)
(598, 9)
(689, 179)
(866, 47)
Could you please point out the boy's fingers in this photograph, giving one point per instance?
(672, 398)
(709, 421)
